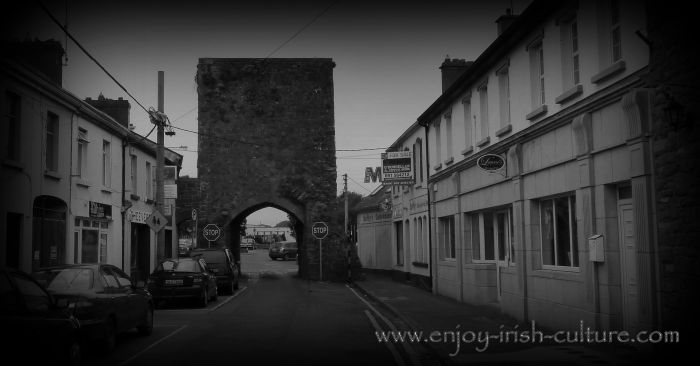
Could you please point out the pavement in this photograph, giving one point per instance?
(422, 311)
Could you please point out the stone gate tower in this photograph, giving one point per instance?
(267, 139)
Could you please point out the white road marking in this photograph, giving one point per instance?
(230, 298)
(389, 345)
(153, 345)
(409, 350)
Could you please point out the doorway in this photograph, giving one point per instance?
(628, 258)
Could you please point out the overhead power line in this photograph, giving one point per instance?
(302, 29)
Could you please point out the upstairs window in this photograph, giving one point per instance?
(438, 143)
(448, 134)
(51, 152)
(504, 96)
(82, 153)
(537, 74)
(484, 110)
(468, 138)
(615, 36)
(133, 175)
(14, 125)
(106, 163)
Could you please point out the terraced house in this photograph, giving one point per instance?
(562, 232)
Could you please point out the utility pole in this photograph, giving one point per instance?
(160, 163)
(345, 193)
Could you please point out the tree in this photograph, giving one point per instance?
(243, 227)
(353, 199)
(285, 223)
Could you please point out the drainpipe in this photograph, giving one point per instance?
(125, 143)
(430, 219)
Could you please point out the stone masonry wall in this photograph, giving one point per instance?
(267, 138)
(676, 148)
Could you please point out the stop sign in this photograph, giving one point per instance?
(211, 232)
(319, 230)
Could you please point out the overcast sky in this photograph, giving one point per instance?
(387, 57)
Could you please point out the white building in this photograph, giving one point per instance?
(559, 96)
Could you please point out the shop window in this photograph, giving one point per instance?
(491, 235)
(447, 236)
(49, 232)
(558, 232)
(91, 240)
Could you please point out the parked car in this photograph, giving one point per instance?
(103, 298)
(183, 278)
(247, 243)
(283, 249)
(221, 262)
(36, 327)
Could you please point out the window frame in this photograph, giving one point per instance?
(52, 133)
(483, 110)
(573, 239)
(106, 163)
(447, 247)
(82, 154)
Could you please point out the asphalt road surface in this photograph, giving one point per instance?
(275, 318)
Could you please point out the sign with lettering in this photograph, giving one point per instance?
(491, 162)
(373, 175)
(169, 191)
(211, 232)
(100, 210)
(137, 216)
(319, 230)
(397, 168)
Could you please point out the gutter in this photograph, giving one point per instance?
(430, 218)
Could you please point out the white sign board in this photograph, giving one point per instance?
(170, 191)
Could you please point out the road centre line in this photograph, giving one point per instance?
(153, 345)
(409, 350)
(397, 357)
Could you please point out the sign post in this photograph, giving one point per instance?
(211, 232)
(320, 230)
(194, 217)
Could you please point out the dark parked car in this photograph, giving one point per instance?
(220, 261)
(183, 278)
(103, 298)
(283, 249)
(35, 327)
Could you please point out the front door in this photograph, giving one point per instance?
(628, 254)
(501, 232)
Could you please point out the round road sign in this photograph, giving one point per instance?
(211, 232)
(319, 230)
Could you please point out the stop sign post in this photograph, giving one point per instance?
(211, 232)
(320, 230)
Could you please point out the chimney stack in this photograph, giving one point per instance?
(504, 21)
(117, 109)
(452, 69)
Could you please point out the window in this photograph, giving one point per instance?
(51, 153)
(504, 96)
(570, 52)
(106, 164)
(491, 235)
(93, 237)
(447, 236)
(615, 36)
(448, 134)
(14, 125)
(468, 139)
(438, 145)
(558, 232)
(418, 160)
(134, 182)
(398, 226)
(82, 153)
(537, 74)
(149, 186)
(484, 110)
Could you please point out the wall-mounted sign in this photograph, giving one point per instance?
(397, 168)
(100, 210)
(491, 162)
(170, 191)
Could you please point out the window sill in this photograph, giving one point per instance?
(149, 201)
(569, 94)
(449, 161)
(82, 183)
(134, 197)
(420, 264)
(106, 190)
(608, 72)
(505, 130)
(14, 164)
(485, 141)
(438, 167)
(467, 151)
(52, 175)
(538, 112)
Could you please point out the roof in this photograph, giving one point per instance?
(371, 202)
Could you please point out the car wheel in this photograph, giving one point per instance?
(109, 342)
(146, 328)
(204, 299)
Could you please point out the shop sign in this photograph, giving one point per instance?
(100, 210)
(137, 216)
(397, 168)
(491, 162)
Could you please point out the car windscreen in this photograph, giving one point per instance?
(66, 279)
(214, 259)
(178, 266)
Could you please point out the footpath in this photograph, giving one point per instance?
(424, 312)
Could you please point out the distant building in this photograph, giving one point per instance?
(374, 238)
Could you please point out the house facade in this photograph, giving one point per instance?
(562, 232)
(374, 230)
(65, 197)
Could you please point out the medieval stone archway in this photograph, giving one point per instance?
(267, 138)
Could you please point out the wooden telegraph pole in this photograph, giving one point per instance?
(160, 163)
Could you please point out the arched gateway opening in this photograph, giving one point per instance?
(267, 139)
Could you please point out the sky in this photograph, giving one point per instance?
(387, 56)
